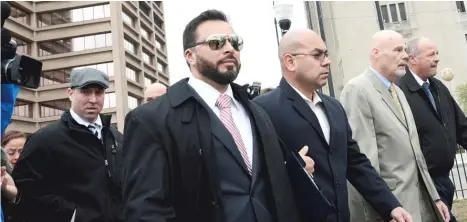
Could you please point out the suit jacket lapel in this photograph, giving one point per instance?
(222, 134)
(415, 88)
(386, 96)
(302, 108)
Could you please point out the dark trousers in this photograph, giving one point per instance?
(446, 190)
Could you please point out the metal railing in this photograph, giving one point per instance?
(458, 174)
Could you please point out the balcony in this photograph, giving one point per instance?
(402, 27)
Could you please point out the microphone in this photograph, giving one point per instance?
(6, 11)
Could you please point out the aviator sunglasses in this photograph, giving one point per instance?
(216, 42)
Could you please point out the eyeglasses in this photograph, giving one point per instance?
(216, 42)
(320, 56)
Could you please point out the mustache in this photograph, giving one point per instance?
(231, 57)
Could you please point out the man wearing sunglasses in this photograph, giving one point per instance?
(303, 116)
(203, 151)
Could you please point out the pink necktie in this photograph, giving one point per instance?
(224, 102)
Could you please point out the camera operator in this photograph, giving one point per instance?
(16, 71)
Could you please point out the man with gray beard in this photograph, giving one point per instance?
(385, 130)
(203, 151)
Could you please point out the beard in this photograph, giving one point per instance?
(212, 72)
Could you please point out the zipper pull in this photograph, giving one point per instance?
(107, 167)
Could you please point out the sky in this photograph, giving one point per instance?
(255, 23)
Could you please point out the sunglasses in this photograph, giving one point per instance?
(216, 42)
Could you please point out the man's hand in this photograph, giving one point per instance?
(444, 210)
(3, 175)
(400, 215)
(310, 164)
(8, 185)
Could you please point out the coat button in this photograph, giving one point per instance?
(114, 151)
(337, 184)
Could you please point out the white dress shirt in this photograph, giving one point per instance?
(418, 79)
(97, 124)
(317, 107)
(240, 117)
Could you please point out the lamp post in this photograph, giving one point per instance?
(283, 12)
(447, 75)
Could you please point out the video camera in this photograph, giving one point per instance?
(254, 90)
(16, 69)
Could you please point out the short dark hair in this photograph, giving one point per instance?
(189, 35)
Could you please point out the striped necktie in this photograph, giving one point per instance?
(224, 104)
(93, 129)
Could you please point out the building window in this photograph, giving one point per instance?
(20, 15)
(54, 108)
(22, 47)
(160, 67)
(159, 23)
(22, 109)
(132, 102)
(144, 33)
(159, 4)
(147, 58)
(158, 45)
(110, 101)
(62, 76)
(144, 8)
(130, 74)
(402, 11)
(73, 15)
(129, 46)
(126, 18)
(393, 10)
(148, 81)
(75, 44)
(384, 13)
(460, 6)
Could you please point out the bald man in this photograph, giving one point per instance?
(303, 116)
(153, 91)
(384, 128)
(441, 124)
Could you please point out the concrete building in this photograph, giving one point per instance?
(126, 40)
(349, 26)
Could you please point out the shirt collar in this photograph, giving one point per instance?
(383, 79)
(208, 93)
(418, 79)
(316, 98)
(84, 122)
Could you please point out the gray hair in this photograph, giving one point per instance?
(412, 46)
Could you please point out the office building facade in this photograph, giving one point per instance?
(126, 40)
(349, 26)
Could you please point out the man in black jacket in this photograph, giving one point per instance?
(203, 151)
(303, 116)
(71, 168)
(441, 124)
